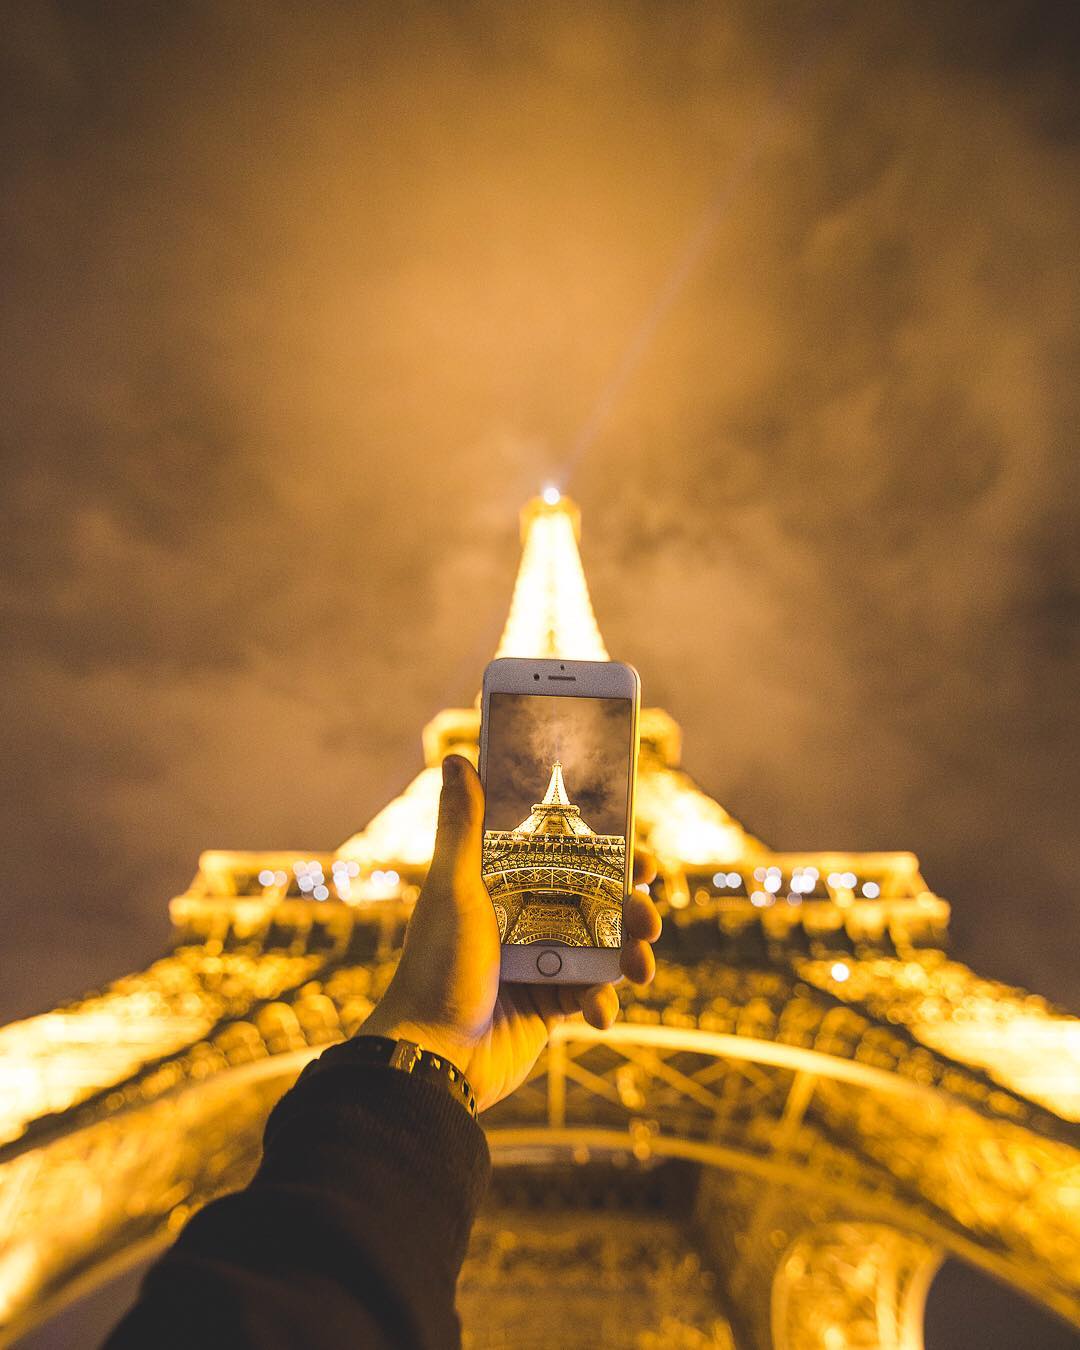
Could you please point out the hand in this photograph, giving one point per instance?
(445, 994)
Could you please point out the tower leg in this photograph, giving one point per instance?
(801, 1278)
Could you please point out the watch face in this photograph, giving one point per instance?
(406, 1055)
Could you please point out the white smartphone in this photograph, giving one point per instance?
(558, 760)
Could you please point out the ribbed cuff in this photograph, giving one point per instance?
(394, 1143)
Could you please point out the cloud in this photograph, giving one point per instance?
(589, 737)
(298, 312)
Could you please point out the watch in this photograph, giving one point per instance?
(409, 1058)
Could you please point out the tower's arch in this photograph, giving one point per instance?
(792, 1137)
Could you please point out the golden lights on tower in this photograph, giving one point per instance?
(814, 985)
(551, 614)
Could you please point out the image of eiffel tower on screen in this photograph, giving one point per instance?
(555, 822)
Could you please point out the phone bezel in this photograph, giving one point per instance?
(566, 679)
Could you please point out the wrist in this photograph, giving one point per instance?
(383, 1021)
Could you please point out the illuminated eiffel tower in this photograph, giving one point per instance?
(775, 1146)
(531, 871)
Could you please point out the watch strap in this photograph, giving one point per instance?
(407, 1057)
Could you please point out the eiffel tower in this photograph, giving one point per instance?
(775, 1146)
(553, 878)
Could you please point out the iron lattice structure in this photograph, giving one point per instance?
(775, 1146)
(553, 879)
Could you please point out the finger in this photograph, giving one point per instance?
(644, 866)
(546, 1000)
(637, 962)
(461, 814)
(600, 1004)
(568, 999)
(641, 918)
(556, 1003)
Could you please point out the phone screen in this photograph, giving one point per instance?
(557, 783)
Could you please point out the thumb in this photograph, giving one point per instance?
(461, 815)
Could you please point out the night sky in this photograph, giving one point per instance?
(302, 302)
(590, 737)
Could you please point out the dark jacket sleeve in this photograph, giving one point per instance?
(352, 1232)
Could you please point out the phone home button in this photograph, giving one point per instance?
(549, 963)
